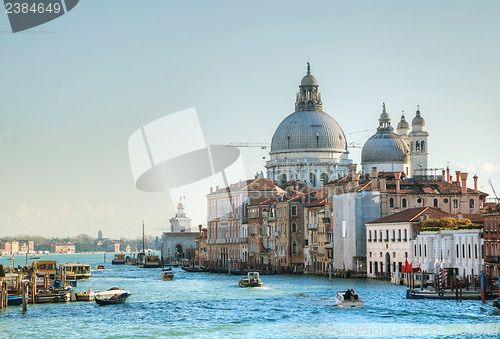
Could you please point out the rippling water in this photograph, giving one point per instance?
(212, 305)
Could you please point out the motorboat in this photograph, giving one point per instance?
(167, 273)
(251, 280)
(348, 298)
(112, 296)
(100, 267)
(496, 303)
(446, 294)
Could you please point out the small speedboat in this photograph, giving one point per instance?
(112, 296)
(348, 299)
(100, 267)
(496, 303)
(167, 273)
(252, 280)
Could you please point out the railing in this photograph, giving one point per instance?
(312, 226)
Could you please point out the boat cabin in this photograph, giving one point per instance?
(45, 267)
(119, 259)
(80, 271)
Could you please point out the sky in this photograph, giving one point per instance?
(75, 89)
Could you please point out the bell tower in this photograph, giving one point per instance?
(419, 146)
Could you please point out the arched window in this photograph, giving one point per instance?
(283, 178)
(391, 202)
(294, 247)
(312, 178)
(422, 146)
(435, 203)
(417, 146)
(404, 203)
(471, 203)
(324, 177)
(294, 227)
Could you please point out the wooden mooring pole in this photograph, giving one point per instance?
(25, 302)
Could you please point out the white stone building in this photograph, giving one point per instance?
(179, 243)
(308, 146)
(460, 249)
(389, 240)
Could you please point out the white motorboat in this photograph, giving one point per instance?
(112, 296)
(348, 299)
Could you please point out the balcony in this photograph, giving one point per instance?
(493, 259)
(326, 220)
(312, 226)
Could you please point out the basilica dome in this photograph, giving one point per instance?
(308, 131)
(385, 146)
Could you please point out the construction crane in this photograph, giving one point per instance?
(491, 184)
(248, 144)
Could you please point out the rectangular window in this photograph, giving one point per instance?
(475, 251)
(406, 235)
(419, 250)
(374, 235)
(371, 267)
(380, 238)
(463, 251)
(425, 250)
(294, 210)
(369, 235)
(470, 251)
(386, 235)
(399, 235)
(457, 252)
(393, 235)
(406, 254)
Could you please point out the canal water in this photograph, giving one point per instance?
(208, 305)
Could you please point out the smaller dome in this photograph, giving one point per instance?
(418, 120)
(309, 80)
(384, 148)
(403, 124)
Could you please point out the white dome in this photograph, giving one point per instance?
(308, 131)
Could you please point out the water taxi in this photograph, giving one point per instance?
(80, 271)
(167, 273)
(119, 259)
(45, 267)
(348, 299)
(112, 296)
(151, 261)
(252, 280)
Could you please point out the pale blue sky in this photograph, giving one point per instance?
(75, 89)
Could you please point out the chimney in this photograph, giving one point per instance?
(352, 169)
(448, 176)
(475, 182)
(356, 179)
(463, 177)
(457, 173)
(374, 177)
(444, 176)
(199, 228)
(383, 187)
(320, 194)
(397, 176)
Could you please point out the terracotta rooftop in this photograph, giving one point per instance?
(317, 202)
(412, 215)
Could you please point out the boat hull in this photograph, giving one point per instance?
(14, 300)
(244, 282)
(446, 295)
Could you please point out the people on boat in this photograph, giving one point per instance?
(347, 295)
